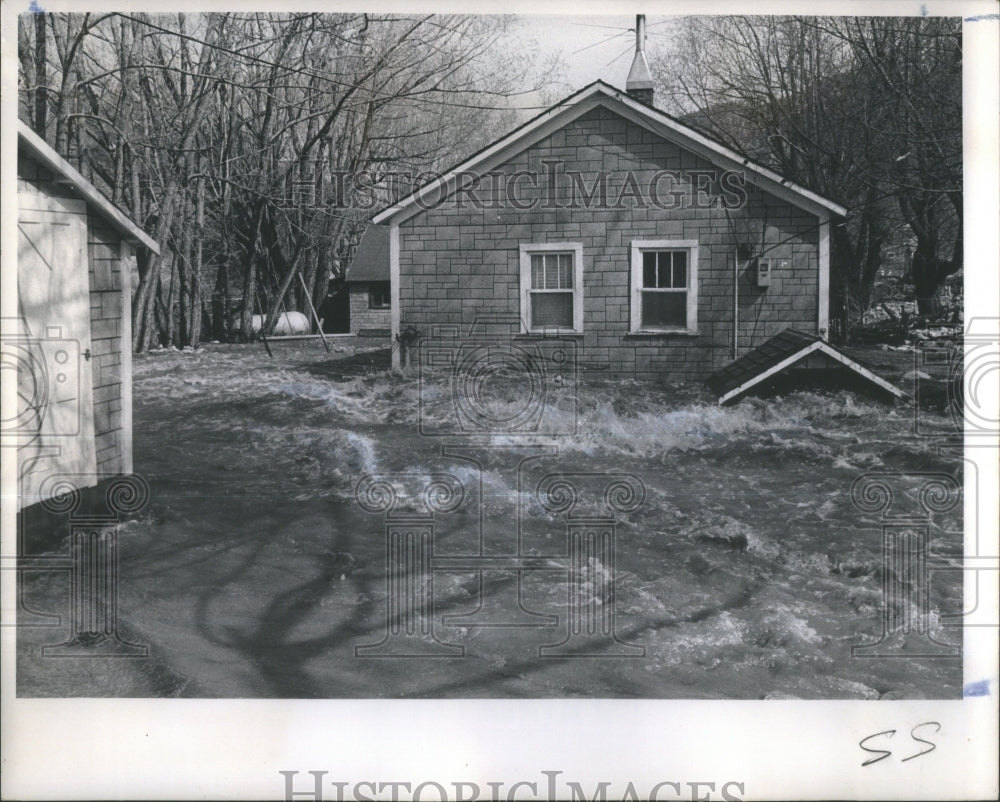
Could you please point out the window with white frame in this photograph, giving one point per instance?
(664, 286)
(552, 287)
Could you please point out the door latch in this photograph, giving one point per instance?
(86, 354)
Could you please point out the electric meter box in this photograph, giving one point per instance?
(763, 272)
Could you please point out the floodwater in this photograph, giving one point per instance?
(730, 561)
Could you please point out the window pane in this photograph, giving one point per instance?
(663, 269)
(680, 271)
(566, 271)
(649, 269)
(552, 309)
(558, 271)
(537, 270)
(551, 271)
(547, 275)
(680, 268)
(664, 309)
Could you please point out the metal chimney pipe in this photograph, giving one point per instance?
(640, 83)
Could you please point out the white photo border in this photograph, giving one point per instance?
(236, 749)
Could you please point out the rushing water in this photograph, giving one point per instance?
(746, 571)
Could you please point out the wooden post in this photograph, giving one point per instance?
(736, 302)
(319, 323)
(823, 301)
(263, 321)
(127, 266)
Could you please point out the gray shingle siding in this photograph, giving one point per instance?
(457, 261)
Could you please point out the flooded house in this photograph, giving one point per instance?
(607, 222)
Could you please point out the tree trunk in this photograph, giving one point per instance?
(321, 278)
(169, 324)
(220, 301)
(927, 278)
(276, 304)
(148, 308)
(251, 265)
(143, 268)
(149, 280)
(41, 95)
(184, 287)
(249, 299)
(199, 230)
(145, 295)
(288, 267)
(871, 259)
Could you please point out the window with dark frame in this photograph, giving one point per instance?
(378, 295)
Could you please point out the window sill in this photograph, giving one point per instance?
(548, 335)
(660, 335)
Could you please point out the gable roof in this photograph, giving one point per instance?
(371, 260)
(652, 119)
(779, 353)
(39, 149)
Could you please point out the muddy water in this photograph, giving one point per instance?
(745, 572)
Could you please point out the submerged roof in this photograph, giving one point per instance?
(371, 261)
(654, 120)
(783, 352)
(39, 149)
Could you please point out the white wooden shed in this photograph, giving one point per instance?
(71, 340)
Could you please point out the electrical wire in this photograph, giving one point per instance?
(333, 81)
(603, 41)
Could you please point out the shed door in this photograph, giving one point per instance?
(55, 415)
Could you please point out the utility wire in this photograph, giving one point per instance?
(625, 52)
(603, 41)
(342, 84)
(604, 27)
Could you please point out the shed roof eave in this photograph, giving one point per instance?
(755, 375)
(41, 150)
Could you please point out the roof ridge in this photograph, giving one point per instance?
(682, 129)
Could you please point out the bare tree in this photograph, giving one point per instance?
(913, 68)
(820, 100)
(211, 130)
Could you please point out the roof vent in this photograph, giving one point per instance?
(640, 83)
